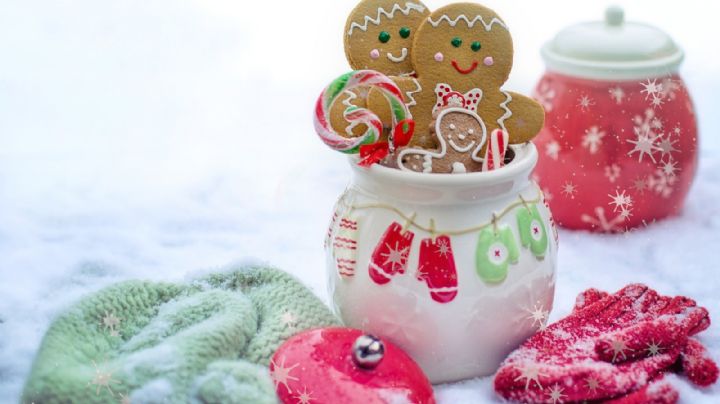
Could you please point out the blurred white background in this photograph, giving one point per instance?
(165, 136)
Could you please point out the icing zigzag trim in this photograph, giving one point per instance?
(508, 113)
(470, 23)
(410, 93)
(389, 14)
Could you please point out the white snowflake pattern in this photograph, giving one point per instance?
(592, 140)
(545, 96)
(111, 322)
(530, 373)
(669, 87)
(305, 397)
(443, 247)
(569, 189)
(621, 201)
(395, 256)
(601, 222)
(661, 183)
(552, 149)
(612, 172)
(617, 94)
(556, 394)
(281, 375)
(651, 89)
(585, 102)
(669, 168)
(657, 101)
(645, 136)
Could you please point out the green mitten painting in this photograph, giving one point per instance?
(206, 341)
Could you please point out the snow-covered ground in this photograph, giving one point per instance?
(156, 138)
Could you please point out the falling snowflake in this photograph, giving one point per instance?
(110, 322)
(530, 373)
(102, 379)
(556, 394)
(651, 89)
(569, 189)
(545, 96)
(538, 316)
(552, 149)
(617, 94)
(619, 347)
(443, 247)
(620, 200)
(305, 397)
(654, 349)
(592, 384)
(612, 173)
(601, 222)
(585, 103)
(281, 375)
(288, 319)
(592, 140)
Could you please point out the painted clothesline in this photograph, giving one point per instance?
(410, 220)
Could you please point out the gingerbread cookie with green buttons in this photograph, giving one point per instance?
(379, 36)
(462, 55)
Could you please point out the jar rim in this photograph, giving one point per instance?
(526, 157)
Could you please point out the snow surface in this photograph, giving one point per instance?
(156, 139)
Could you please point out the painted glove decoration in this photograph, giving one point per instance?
(612, 346)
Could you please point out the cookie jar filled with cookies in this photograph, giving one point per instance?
(441, 243)
(619, 146)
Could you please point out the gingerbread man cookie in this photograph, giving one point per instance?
(379, 36)
(460, 134)
(462, 55)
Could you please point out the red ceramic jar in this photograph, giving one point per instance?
(619, 147)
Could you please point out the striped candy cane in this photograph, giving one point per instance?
(495, 152)
(354, 114)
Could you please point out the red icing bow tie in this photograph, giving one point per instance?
(374, 152)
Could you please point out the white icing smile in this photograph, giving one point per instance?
(398, 59)
(461, 149)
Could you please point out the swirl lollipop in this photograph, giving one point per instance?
(356, 115)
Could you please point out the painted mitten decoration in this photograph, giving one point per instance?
(496, 250)
(611, 347)
(391, 254)
(345, 246)
(330, 230)
(437, 269)
(532, 230)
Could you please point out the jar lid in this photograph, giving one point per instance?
(612, 49)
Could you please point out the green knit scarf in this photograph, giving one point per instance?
(207, 341)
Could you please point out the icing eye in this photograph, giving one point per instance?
(456, 42)
(404, 32)
(384, 37)
(475, 46)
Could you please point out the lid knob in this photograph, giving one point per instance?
(614, 16)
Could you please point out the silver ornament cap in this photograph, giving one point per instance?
(368, 351)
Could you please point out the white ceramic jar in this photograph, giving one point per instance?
(457, 270)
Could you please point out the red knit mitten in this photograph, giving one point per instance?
(610, 346)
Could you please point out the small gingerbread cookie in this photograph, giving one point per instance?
(379, 36)
(462, 55)
(460, 134)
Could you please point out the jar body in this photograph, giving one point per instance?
(615, 155)
(426, 266)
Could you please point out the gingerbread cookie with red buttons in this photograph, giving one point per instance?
(462, 55)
